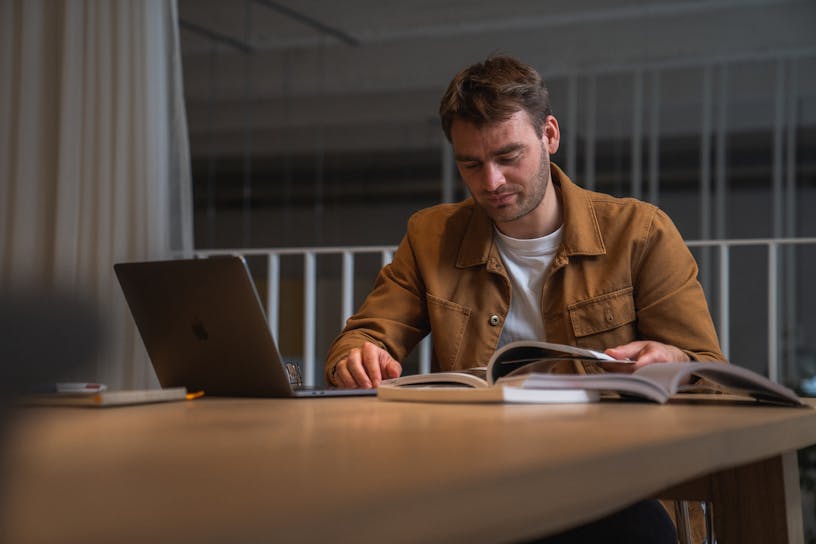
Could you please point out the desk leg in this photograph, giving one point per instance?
(754, 503)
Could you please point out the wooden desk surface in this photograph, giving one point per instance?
(358, 469)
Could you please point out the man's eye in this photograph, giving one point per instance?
(510, 159)
(471, 165)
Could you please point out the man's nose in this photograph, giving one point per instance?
(493, 177)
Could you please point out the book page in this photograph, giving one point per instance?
(471, 377)
(624, 384)
(667, 375)
(498, 394)
(517, 354)
(531, 349)
(731, 378)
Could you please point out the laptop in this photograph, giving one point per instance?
(204, 328)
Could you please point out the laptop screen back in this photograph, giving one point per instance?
(203, 326)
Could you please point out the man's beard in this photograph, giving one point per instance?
(529, 201)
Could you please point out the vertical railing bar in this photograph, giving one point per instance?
(273, 293)
(791, 300)
(572, 125)
(725, 300)
(773, 327)
(347, 287)
(705, 155)
(705, 178)
(776, 169)
(425, 355)
(719, 214)
(721, 172)
(637, 135)
(790, 156)
(777, 203)
(654, 141)
(589, 153)
(387, 256)
(309, 316)
(448, 182)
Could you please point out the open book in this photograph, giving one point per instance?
(660, 381)
(488, 383)
(516, 367)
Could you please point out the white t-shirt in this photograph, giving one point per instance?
(527, 262)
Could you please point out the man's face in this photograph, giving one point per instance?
(506, 166)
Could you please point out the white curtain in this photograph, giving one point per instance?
(94, 156)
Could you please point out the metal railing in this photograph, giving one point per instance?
(309, 257)
(310, 303)
(723, 288)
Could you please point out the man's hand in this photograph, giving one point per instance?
(365, 367)
(644, 352)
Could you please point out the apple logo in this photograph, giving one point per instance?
(199, 331)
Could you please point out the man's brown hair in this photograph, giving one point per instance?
(493, 90)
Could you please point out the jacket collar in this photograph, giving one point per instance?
(581, 234)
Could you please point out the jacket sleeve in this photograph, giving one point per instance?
(670, 303)
(393, 316)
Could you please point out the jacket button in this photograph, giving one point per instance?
(494, 320)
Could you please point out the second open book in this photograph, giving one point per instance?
(520, 372)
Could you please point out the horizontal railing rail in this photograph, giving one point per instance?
(309, 257)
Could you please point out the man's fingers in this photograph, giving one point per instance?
(366, 367)
(357, 369)
(389, 367)
(392, 369)
(371, 362)
(341, 375)
(626, 351)
(646, 352)
(350, 372)
(656, 352)
(649, 355)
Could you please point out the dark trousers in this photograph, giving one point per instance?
(645, 522)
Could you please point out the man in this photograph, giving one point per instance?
(529, 256)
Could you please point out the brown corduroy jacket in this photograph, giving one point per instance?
(622, 273)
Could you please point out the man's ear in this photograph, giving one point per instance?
(551, 134)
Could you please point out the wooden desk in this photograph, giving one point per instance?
(363, 470)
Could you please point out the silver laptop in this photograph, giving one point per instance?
(204, 328)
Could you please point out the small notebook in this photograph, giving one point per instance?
(108, 398)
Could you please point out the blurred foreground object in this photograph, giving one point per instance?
(44, 337)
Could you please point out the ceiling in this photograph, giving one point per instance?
(263, 25)
(295, 76)
(347, 92)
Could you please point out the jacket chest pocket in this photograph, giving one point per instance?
(448, 323)
(604, 321)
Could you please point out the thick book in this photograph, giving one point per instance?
(525, 366)
(486, 383)
(496, 393)
(108, 397)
